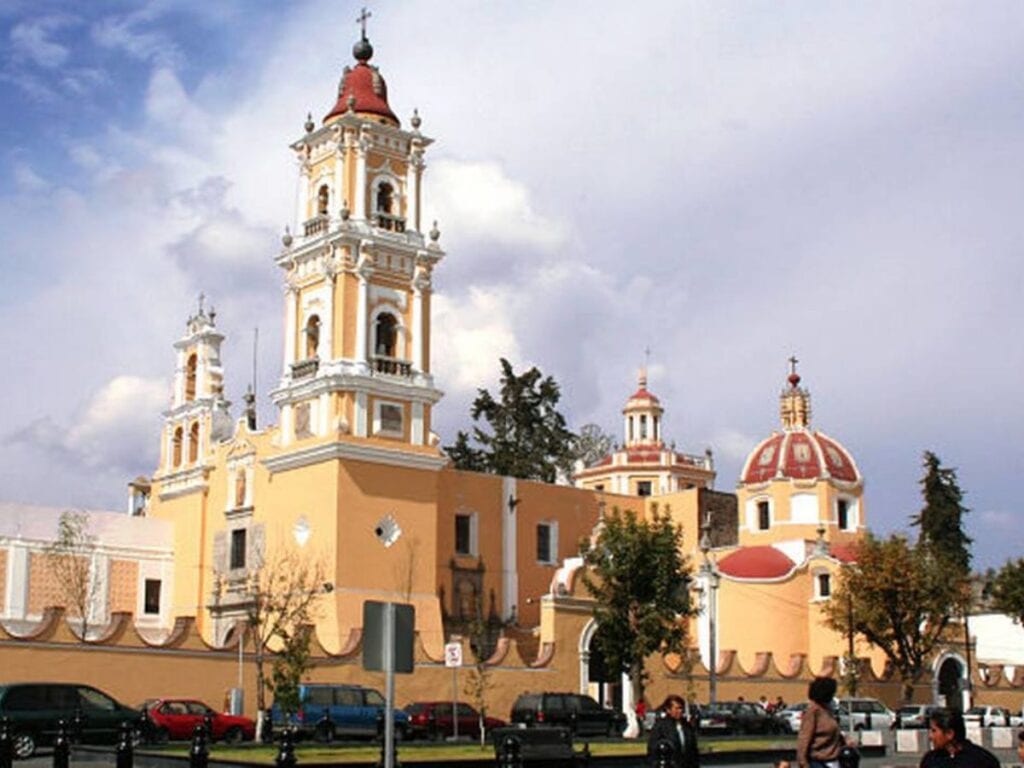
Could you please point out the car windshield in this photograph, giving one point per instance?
(976, 711)
(909, 710)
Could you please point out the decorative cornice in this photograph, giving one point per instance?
(418, 388)
(182, 483)
(345, 450)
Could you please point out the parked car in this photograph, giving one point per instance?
(988, 716)
(727, 717)
(790, 717)
(862, 714)
(580, 713)
(178, 718)
(691, 714)
(327, 712)
(913, 716)
(433, 720)
(34, 710)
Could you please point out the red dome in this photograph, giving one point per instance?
(756, 563)
(366, 84)
(801, 455)
(846, 553)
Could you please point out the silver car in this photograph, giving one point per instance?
(864, 715)
(791, 716)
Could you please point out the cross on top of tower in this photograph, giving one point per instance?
(794, 377)
(361, 19)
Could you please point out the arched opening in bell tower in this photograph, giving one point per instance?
(312, 336)
(193, 442)
(176, 441)
(190, 377)
(323, 200)
(384, 335)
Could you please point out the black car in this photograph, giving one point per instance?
(34, 712)
(580, 714)
(728, 717)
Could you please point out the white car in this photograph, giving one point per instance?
(791, 716)
(988, 716)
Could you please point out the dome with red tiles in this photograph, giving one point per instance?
(362, 88)
(756, 563)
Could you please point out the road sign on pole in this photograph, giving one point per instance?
(453, 654)
(387, 645)
(453, 660)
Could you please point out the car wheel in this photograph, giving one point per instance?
(159, 736)
(614, 729)
(233, 735)
(324, 733)
(24, 745)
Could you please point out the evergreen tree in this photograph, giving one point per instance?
(640, 580)
(523, 434)
(941, 519)
(1006, 589)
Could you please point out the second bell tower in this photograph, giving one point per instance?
(358, 277)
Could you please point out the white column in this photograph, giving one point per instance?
(179, 379)
(290, 308)
(360, 429)
(287, 427)
(325, 402)
(418, 328)
(416, 432)
(339, 179)
(632, 726)
(16, 584)
(99, 578)
(202, 382)
(362, 306)
(412, 191)
(359, 208)
(509, 533)
(327, 322)
(302, 198)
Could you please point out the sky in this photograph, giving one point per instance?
(724, 184)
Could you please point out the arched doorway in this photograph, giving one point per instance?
(950, 683)
(596, 678)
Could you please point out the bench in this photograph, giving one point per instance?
(537, 746)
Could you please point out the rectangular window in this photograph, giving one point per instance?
(824, 585)
(643, 427)
(547, 542)
(390, 418)
(151, 604)
(764, 520)
(464, 544)
(238, 548)
(643, 488)
(843, 514)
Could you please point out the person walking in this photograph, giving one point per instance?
(950, 746)
(820, 740)
(672, 729)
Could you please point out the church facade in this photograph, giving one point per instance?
(353, 476)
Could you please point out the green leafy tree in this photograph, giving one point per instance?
(1006, 589)
(70, 561)
(288, 667)
(901, 599)
(589, 446)
(640, 580)
(522, 432)
(941, 519)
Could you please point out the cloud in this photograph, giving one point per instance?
(31, 40)
(122, 33)
(26, 179)
(470, 335)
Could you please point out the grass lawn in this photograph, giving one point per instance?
(420, 751)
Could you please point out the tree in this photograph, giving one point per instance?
(478, 682)
(900, 599)
(941, 518)
(1006, 588)
(70, 558)
(288, 667)
(589, 446)
(639, 579)
(281, 604)
(525, 435)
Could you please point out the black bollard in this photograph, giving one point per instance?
(511, 752)
(76, 726)
(62, 747)
(664, 752)
(208, 725)
(432, 732)
(573, 722)
(6, 744)
(286, 754)
(199, 754)
(125, 747)
(267, 730)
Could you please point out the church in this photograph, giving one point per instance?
(352, 475)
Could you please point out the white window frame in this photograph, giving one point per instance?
(816, 575)
(474, 535)
(754, 514)
(377, 428)
(552, 554)
(852, 513)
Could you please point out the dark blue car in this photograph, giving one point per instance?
(329, 712)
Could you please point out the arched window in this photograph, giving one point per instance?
(384, 338)
(312, 336)
(385, 198)
(323, 200)
(176, 442)
(193, 442)
(190, 377)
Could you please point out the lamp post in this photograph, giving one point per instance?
(709, 569)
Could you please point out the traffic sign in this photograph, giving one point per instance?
(453, 654)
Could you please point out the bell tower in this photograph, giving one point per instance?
(198, 416)
(358, 276)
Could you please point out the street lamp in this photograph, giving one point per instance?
(709, 570)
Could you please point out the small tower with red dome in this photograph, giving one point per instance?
(644, 465)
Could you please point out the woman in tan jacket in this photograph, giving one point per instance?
(820, 739)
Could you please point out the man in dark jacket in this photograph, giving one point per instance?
(673, 737)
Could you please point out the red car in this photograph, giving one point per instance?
(178, 718)
(433, 720)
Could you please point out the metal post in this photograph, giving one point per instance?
(6, 744)
(62, 747)
(455, 698)
(389, 685)
(510, 752)
(286, 754)
(710, 569)
(125, 755)
(199, 755)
